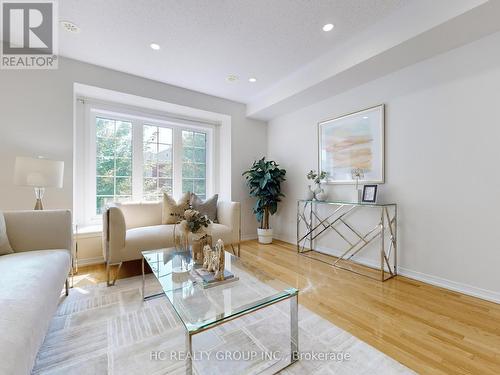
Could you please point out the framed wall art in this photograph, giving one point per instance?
(353, 141)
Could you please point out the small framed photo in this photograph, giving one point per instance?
(369, 193)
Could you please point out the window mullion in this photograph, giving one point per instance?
(177, 161)
(137, 161)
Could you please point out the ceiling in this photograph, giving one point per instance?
(203, 41)
(280, 42)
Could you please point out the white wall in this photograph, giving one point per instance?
(36, 118)
(442, 154)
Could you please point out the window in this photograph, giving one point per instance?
(138, 158)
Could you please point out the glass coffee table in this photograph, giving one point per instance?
(201, 309)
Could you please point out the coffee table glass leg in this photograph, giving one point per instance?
(143, 279)
(189, 353)
(294, 327)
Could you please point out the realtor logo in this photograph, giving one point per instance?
(29, 35)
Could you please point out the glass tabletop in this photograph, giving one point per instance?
(200, 307)
(372, 204)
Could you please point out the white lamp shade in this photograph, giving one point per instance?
(38, 172)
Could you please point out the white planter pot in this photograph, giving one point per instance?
(265, 235)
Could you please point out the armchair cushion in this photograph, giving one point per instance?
(222, 232)
(147, 238)
(172, 210)
(5, 247)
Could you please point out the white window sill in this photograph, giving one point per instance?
(89, 231)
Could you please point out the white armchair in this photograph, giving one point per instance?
(130, 228)
(31, 279)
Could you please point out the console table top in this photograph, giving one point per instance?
(348, 202)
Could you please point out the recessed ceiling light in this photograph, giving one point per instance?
(328, 27)
(252, 79)
(155, 46)
(232, 78)
(365, 117)
(70, 26)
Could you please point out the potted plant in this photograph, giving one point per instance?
(264, 181)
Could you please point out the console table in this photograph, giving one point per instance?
(335, 217)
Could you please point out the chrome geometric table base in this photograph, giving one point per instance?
(385, 231)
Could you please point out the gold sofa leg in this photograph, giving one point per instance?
(236, 252)
(108, 269)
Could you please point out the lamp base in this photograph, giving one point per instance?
(39, 195)
(38, 205)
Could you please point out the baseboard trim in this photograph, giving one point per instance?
(455, 286)
(90, 261)
(248, 237)
(467, 289)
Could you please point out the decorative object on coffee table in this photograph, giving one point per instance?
(220, 256)
(207, 257)
(213, 260)
(197, 245)
(195, 225)
(264, 179)
(213, 272)
(318, 193)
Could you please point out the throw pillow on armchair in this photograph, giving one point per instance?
(4, 241)
(172, 210)
(207, 207)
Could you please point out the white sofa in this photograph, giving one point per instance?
(131, 228)
(31, 281)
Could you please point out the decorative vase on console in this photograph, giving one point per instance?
(358, 174)
(309, 193)
(318, 193)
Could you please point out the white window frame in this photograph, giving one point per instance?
(138, 119)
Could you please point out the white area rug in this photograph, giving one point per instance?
(100, 330)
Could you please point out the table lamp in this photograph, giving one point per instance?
(39, 173)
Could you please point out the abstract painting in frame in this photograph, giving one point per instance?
(353, 141)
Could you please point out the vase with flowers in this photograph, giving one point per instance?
(318, 193)
(194, 232)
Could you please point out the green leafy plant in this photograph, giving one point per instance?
(264, 180)
(316, 177)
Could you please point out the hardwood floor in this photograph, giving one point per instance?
(429, 329)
